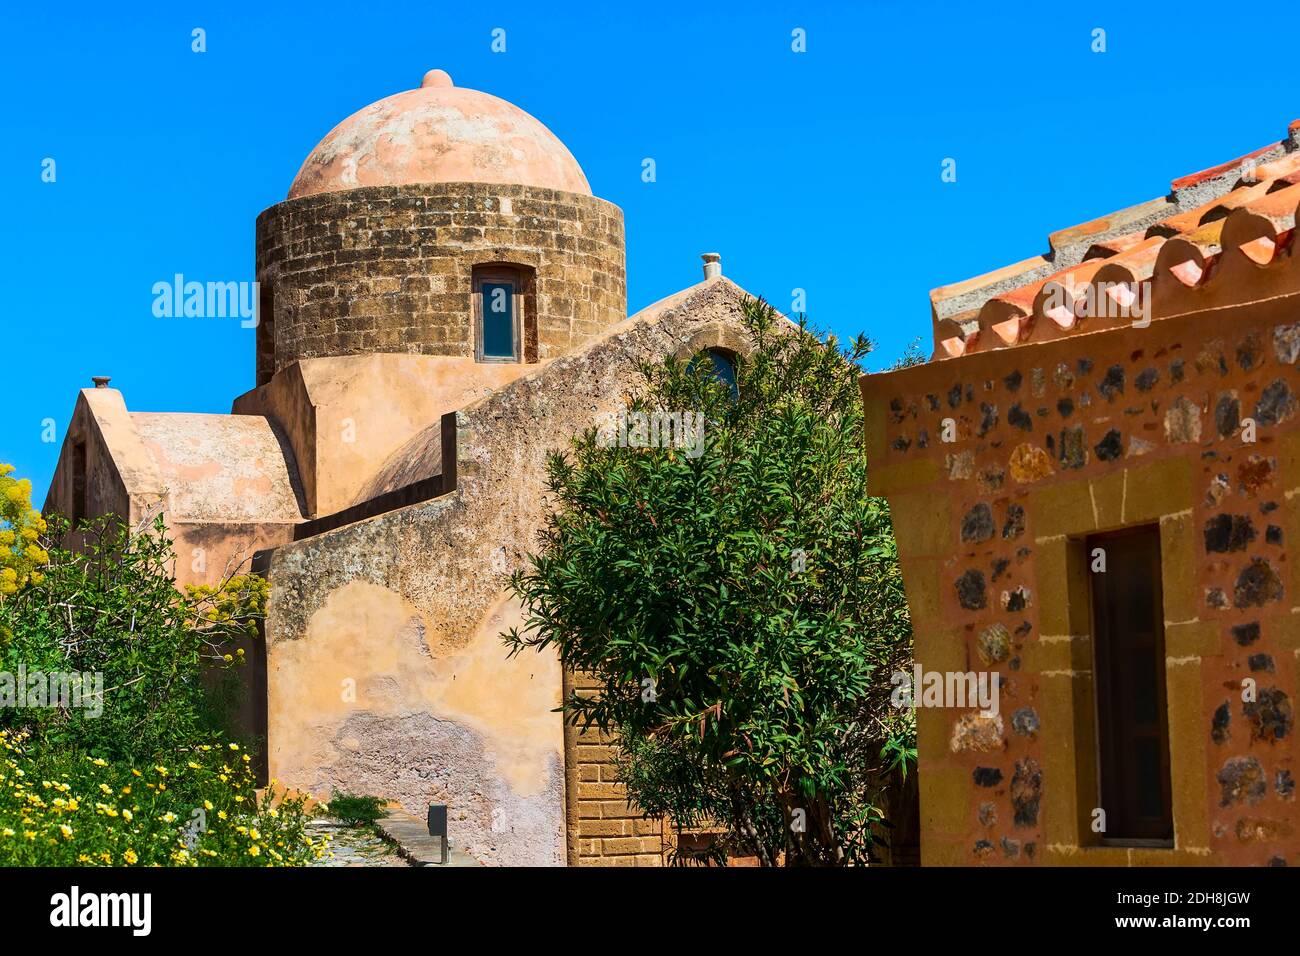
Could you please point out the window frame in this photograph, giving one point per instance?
(498, 275)
(1108, 763)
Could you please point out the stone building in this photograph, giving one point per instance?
(442, 304)
(1091, 485)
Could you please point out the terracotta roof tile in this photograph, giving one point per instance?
(1101, 270)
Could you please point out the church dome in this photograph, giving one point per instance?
(440, 133)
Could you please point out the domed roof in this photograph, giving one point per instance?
(440, 133)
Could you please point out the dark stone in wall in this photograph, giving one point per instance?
(1025, 722)
(1246, 634)
(1257, 585)
(1065, 407)
(1010, 848)
(1225, 532)
(1084, 365)
(1063, 377)
(1021, 419)
(1273, 534)
(999, 566)
(1073, 452)
(971, 591)
(1220, 724)
(1016, 600)
(1284, 784)
(1112, 385)
(1250, 352)
(1276, 404)
(1260, 663)
(978, 525)
(983, 849)
(986, 776)
(1215, 597)
(1241, 779)
(1026, 791)
(1177, 370)
(1013, 380)
(1147, 379)
(1227, 415)
(1270, 716)
(988, 814)
(1015, 523)
(1110, 447)
(954, 396)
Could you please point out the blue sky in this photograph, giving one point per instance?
(817, 170)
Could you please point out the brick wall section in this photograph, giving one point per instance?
(602, 829)
(389, 268)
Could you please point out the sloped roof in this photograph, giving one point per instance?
(1143, 258)
(219, 467)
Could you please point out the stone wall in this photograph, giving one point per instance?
(389, 268)
(1051, 443)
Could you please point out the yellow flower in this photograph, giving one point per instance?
(207, 804)
(7, 832)
(66, 831)
(100, 762)
(234, 746)
(254, 850)
(221, 814)
(130, 856)
(128, 816)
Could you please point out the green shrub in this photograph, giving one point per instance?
(355, 810)
(112, 611)
(742, 609)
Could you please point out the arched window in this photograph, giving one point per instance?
(724, 367)
(504, 328)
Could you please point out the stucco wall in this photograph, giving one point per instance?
(389, 268)
(1057, 441)
(410, 605)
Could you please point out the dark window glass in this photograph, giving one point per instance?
(498, 319)
(1132, 728)
(80, 494)
(724, 369)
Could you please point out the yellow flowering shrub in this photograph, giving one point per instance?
(199, 810)
(21, 526)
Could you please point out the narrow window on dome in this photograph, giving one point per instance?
(499, 304)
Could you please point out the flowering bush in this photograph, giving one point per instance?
(21, 525)
(111, 612)
(199, 809)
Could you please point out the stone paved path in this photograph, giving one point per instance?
(353, 846)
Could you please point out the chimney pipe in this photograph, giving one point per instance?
(712, 265)
(101, 381)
